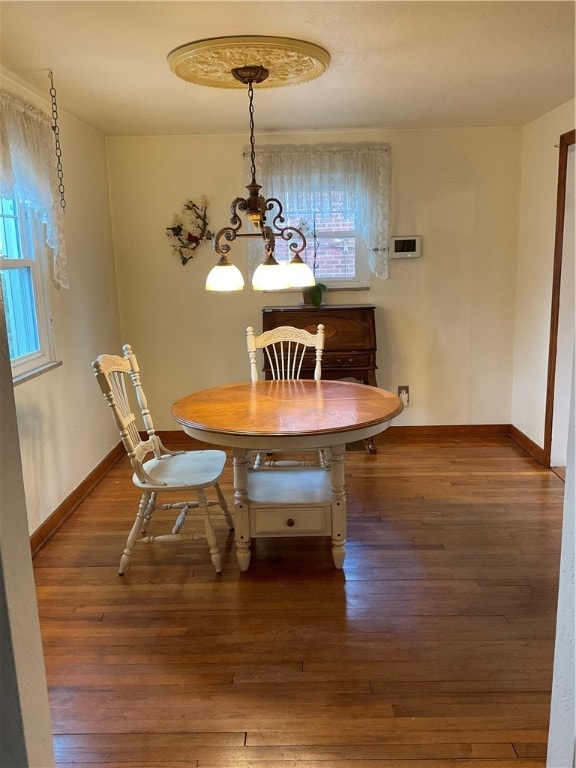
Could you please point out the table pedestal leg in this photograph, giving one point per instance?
(241, 518)
(338, 505)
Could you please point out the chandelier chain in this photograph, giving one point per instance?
(252, 140)
(58, 147)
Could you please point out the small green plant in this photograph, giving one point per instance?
(313, 294)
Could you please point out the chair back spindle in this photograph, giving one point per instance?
(285, 350)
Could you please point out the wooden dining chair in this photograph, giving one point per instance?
(165, 471)
(285, 350)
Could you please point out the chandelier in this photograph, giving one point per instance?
(234, 62)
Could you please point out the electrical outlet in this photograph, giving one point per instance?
(404, 394)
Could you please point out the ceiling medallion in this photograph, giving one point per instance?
(209, 62)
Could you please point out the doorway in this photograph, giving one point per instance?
(561, 348)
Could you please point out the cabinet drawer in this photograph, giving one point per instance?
(338, 360)
(347, 360)
(299, 521)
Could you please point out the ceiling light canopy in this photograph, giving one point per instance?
(210, 62)
(248, 61)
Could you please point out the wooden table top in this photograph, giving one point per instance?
(287, 409)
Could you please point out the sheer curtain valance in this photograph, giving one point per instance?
(28, 172)
(353, 179)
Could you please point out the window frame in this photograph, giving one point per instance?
(33, 256)
(361, 279)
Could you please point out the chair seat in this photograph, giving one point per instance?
(191, 469)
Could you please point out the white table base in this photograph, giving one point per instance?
(289, 502)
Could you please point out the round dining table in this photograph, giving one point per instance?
(288, 415)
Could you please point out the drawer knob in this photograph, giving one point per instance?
(290, 523)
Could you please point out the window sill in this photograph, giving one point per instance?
(21, 377)
(329, 289)
(348, 288)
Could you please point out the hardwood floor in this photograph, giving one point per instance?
(434, 644)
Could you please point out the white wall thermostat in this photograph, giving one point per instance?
(405, 247)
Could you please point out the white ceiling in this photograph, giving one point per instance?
(394, 64)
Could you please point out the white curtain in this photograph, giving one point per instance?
(28, 172)
(321, 178)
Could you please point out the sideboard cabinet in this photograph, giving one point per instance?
(349, 343)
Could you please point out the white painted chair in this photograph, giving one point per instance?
(180, 472)
(285, 348)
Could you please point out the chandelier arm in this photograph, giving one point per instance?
(269, 243)
(278, 218)
(244, 234)
(286, 233)
(228, 234)
(238, 204)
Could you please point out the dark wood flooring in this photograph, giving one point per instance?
(433, 646)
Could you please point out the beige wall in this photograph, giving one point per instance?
(445, 322)
(535, 264)
(64, 427)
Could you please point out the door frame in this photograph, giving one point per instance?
(566, 141)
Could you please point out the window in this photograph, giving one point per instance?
(337, 194)
(31, 234)
(335, 248)
(24, 290)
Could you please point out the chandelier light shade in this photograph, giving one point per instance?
(224, 276)
(234, 62)
(270, 275)
(300, 275)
